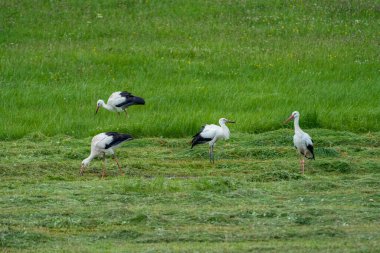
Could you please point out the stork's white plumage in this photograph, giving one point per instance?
(119, 101)
(302, 141)
(211, 134)
(102, 145)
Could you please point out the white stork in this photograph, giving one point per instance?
(119, 101)
(103, 144)
(211, 134)
(302, 141)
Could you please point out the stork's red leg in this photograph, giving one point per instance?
(118, 165)
(104, 167)
(212, 153)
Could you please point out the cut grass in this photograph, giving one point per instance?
(173, 199)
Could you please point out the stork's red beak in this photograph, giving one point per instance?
(81, 170)
(289, 119)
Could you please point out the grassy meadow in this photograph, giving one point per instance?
(193, 62)
(173, 200)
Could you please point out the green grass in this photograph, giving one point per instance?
(173, 200)
(193, 62)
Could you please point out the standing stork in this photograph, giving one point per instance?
(302, 141)
(102, 145)
(119, 101)
(211, 134)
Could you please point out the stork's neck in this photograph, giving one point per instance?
(88, 159)
(106, 106)
(297, 125)
(226, 131)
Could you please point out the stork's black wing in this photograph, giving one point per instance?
(311, 151)
(117, 138)
(198, 139)
(130, 100)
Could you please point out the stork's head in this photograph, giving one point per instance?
(98, 105)
(83, 165)
(294, 115)
(223, 121)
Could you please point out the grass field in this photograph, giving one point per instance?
(193, 61)
(173, 200)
